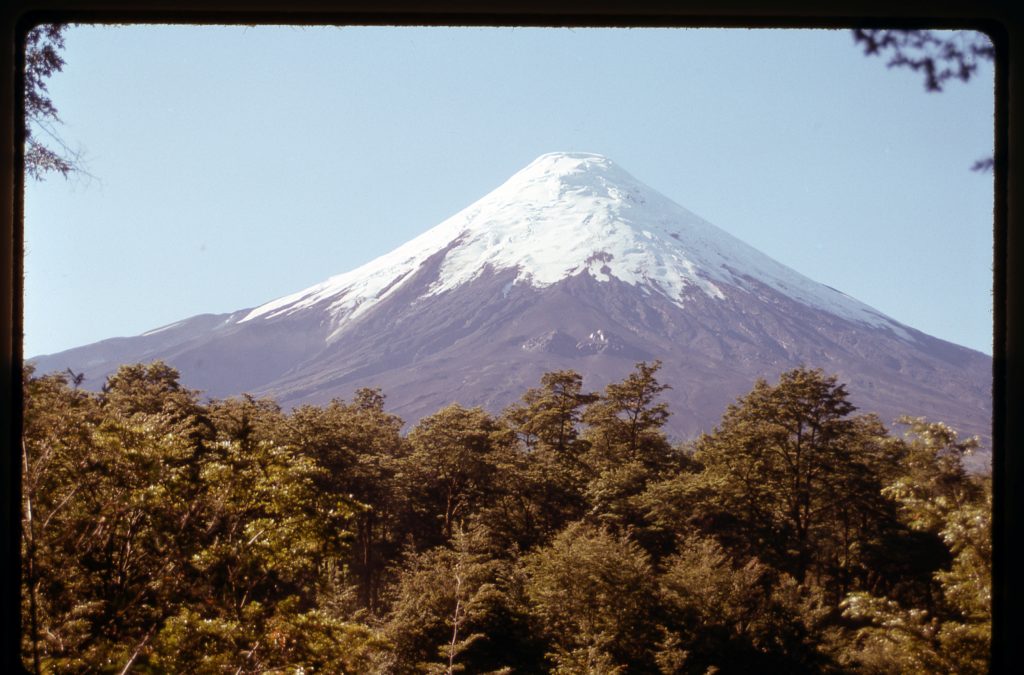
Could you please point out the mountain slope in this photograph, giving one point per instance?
(571, 263)
(568, 214)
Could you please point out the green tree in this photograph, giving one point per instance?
(107, 561)
(681, 504)
(625, 423)
(451, 612)
(152, 395)
(540, 480)
(247, 421)
(931, 481)
(359, 448)
(449, 472)
(272, 542)
(594, 596)
(935, 496)
(796, 479)
(164, 535)
(966, 634)
(43, 45)
(733, 618)
(627, 447)
(548, 417)
(57, 446)
(161, 534)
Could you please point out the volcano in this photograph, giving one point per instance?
(570, 264)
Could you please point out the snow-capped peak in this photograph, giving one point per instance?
(566, 214)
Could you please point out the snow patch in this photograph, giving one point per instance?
(163, 328)
(573, 213)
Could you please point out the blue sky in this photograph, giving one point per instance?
(233, 165)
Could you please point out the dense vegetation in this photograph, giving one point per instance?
(166, 534)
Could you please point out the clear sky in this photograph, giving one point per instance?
(233, 165)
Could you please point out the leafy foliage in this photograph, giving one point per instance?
(736, 619)
(43, 45)
(936, 496)
(166, 534)
(593, 593)
(799, 479)
(448, 605)
(940, 57)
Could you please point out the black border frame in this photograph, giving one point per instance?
(998, 18)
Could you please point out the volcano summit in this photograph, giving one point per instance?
(570, 264)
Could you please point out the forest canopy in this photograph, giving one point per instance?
(166, 533)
